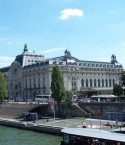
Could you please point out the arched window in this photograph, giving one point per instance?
(113, 82)
(39, 82)
(86, 82)
(102, 83)
(109, 82)
(82, 83)
(106, 82)
(90, 82)
(99, 82)
(94, 82)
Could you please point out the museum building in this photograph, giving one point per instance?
(30, 75)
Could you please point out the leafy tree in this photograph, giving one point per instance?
(68, 100)
(123, 78)
(57, 86)
(117, 90)
(3, 89)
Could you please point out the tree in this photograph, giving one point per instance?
(68, 100)
(3, 89)
(117, 90)
(57, 86)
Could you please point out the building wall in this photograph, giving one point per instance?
(30, 79)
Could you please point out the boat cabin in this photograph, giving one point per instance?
(85, 136)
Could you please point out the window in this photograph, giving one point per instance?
(86, 82)
(82, 83)
(94, 82)
(73, 85)
(90, 82)
(113, 82)
(30, 83)
(106, 82)
(34, 83)
(99, 82)
(39, 82)
(102, 83)
(109, 82)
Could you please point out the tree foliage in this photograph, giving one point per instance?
(68, 100)
(3, 89)
(57, 86)
(123, 78)
(117, 90)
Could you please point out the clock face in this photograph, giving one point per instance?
(14, 67)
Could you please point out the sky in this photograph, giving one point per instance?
(91, 30)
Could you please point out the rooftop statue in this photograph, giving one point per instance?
(113, 58)
(67, 52)
(25, 48)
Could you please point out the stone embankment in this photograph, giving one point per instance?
(31, 126)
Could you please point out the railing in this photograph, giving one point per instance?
(88, 114)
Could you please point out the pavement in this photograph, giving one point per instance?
(74, 123)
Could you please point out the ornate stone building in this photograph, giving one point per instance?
(30, 75)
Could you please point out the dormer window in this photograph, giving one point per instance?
(54, 62)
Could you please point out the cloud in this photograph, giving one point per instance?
(6, 61)
(122, 44)
(67, 13)
(9, 41)
(52, 50)
(6, 58)
(4, 28)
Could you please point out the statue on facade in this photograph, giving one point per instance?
(25, 48)
(67, 52)
(113, 59)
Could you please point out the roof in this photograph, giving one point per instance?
(95, 133)
(104, 96)
(4, 69)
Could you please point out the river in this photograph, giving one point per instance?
(14, 136)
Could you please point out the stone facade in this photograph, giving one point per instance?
(30, 75)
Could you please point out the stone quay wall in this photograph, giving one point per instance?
(30, 126)
(103, 108)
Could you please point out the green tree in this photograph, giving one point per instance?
(117, 90)
(3, 89)
(57, 86)
(68, 100)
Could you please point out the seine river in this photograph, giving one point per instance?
(13, 136)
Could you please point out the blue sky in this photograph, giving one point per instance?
(90, 29)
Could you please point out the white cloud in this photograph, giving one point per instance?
(52, 50)
(3, 39)
(6, 61)
(4, 28)
(67, 13)
(122, 44)
(9, 41)
(6, 58)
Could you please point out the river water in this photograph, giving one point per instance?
(14, 136)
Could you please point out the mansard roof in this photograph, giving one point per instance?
(4, 69)
(70, 60)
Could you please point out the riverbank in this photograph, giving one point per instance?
(47, 125)
(31, 126)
